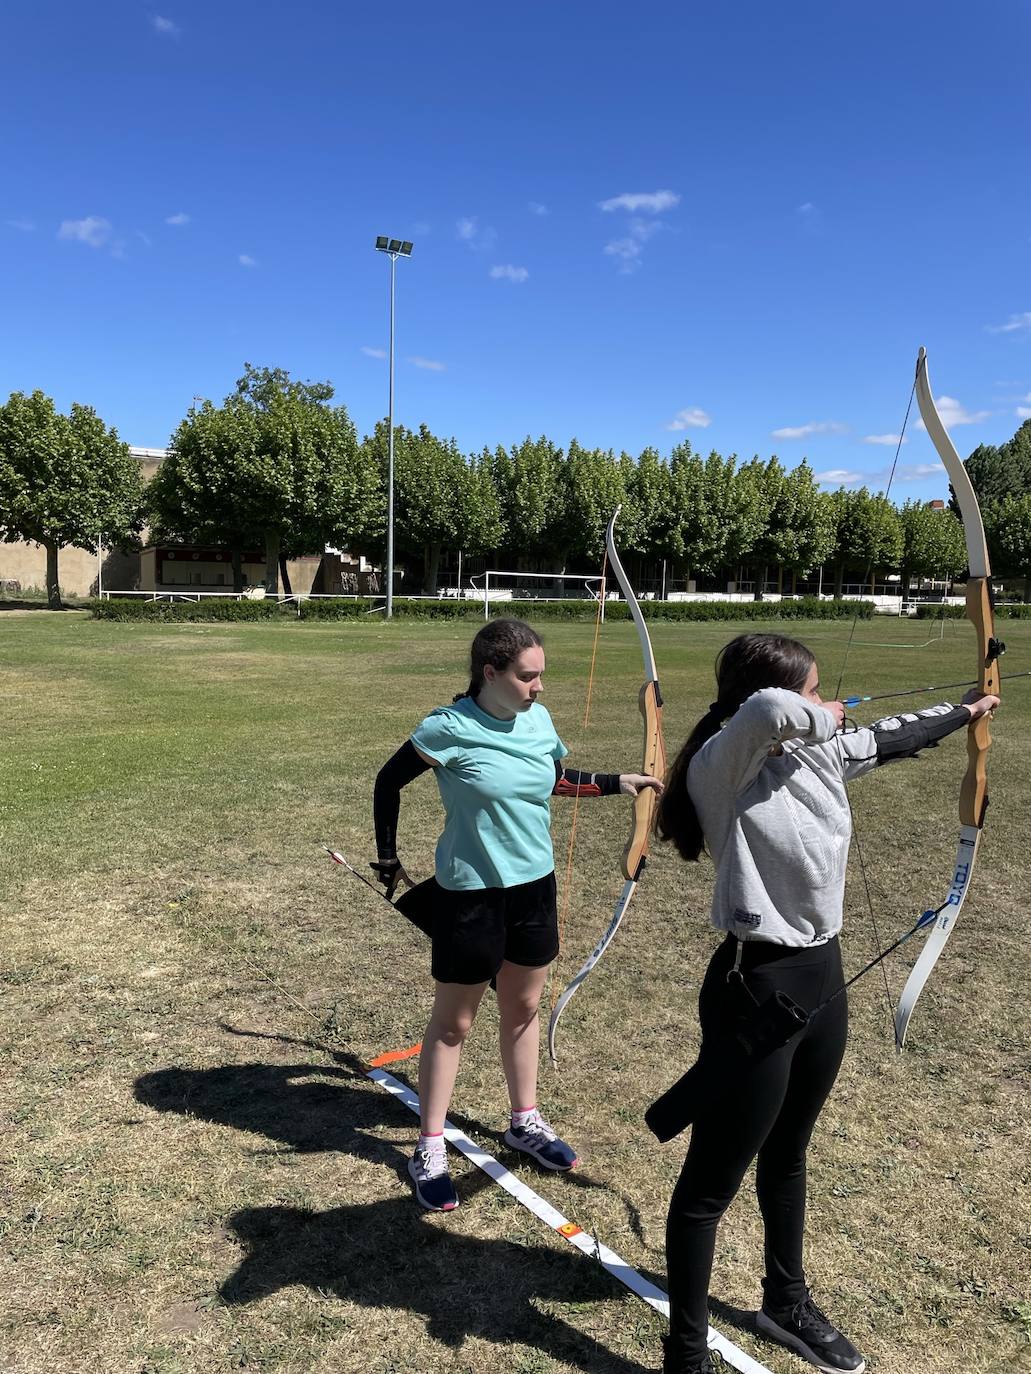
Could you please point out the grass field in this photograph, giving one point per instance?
(197, 1177)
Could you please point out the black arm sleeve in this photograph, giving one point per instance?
(570, 782)
(403, 768)
(904, 736)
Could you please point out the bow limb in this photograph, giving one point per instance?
(635, 852)
(973, 799)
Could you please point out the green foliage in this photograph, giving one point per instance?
(1011, 611)
(365, 608)
(933, 542)
(64, 480)
(274, 464)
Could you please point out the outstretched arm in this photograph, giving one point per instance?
(571, 782)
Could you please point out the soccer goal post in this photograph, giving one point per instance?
(499, 593)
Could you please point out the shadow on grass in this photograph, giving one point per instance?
(384, 1254)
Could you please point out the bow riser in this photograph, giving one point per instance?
(973, 797)
(636, 852)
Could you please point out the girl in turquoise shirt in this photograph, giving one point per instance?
(490, 907)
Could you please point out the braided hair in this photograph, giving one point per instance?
(499, 643)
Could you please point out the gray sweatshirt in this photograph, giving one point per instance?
(778, 824)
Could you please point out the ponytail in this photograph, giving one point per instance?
(743, 667)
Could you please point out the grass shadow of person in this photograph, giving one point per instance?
(386, 1253)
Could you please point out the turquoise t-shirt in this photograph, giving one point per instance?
(495, 778)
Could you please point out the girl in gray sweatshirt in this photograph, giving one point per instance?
(760, 785)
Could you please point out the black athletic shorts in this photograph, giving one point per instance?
(475, 931)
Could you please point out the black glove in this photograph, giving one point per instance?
(390, 873)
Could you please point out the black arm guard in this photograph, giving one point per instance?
(403, 768)
(905, 739)
(570, 782)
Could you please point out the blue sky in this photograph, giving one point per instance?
(732, 224)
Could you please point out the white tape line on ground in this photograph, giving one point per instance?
(533, 1202)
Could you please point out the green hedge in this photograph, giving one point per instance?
(366, 608)
(1018, 610)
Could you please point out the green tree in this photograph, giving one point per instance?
(531, 488)
(431, 495)
(275, 464)
(1008, 527)
(868, 534)
(64, 480)
(933, 543)
(593, 481)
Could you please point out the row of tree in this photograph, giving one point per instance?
(277, 465)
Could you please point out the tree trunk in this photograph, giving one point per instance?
(757, 595)
(53, 586)
(272, 542)
(839, 579)
(237, 560)
(284, 574)
(1027, 588)
(430, 567)
(794, 581)
(873, 581)
(780, 580)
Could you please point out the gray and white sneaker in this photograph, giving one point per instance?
(805, 1330)
(433, 1186)
(538, 1139)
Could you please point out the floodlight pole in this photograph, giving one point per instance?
(390, 451)
(394, 248)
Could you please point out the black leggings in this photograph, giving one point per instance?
(768, 1110)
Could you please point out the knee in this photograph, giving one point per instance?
(452, 1031)
(519, 1012)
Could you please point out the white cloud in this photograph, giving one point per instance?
(179, 219)
(1024, 412)
(917, 472)
(953, 414)
(25, 226)
(428, 364)
(165, 27)
(469, 231)
(628, 249)
(838, 477)
(509, 273)
(1015, 324)
(813, 427)
(651, 202)
(245, 260)
(536, 208)
(92, 230)
(807, 209)
(694, 418)
(373, 352)
(888, 440)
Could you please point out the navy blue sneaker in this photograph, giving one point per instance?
(538, 1139)
(805, 1330)
(433, 1186)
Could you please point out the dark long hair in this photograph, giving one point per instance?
(744, 666)
(498, 643)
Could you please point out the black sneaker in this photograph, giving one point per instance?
(710, 1363)
(805, 1330)
(433, 1186)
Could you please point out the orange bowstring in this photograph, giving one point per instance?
(567, 882)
